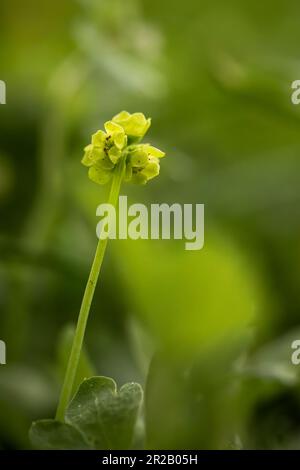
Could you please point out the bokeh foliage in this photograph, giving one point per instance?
(215, 326)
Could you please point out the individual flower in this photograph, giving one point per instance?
(121, 139)
(135, 125)
(142, 163)
(104, 152)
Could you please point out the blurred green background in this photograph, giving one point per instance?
(208, 334)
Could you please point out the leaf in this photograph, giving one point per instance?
(49, 434)
(99, 417)
(105, 417)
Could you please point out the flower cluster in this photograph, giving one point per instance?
(121, 139)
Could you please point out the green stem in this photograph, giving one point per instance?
(74, 358)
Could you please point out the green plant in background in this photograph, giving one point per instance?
(98, 416)
(237, 150)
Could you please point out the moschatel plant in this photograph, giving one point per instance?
(99, 416)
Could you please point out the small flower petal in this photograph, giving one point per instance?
(105, 163)
(98, 139)
(139, 157)
(99, 175)
(92, 155)
(114, 154)
(120, 139)
(139, 178)
(112, 127)
(152, 169)
(121, 116)
(87, 160)
(155, 152)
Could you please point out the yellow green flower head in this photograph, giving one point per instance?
(121, 139)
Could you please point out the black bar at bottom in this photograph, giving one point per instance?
(134, 459)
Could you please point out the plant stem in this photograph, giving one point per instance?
(74, 358)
